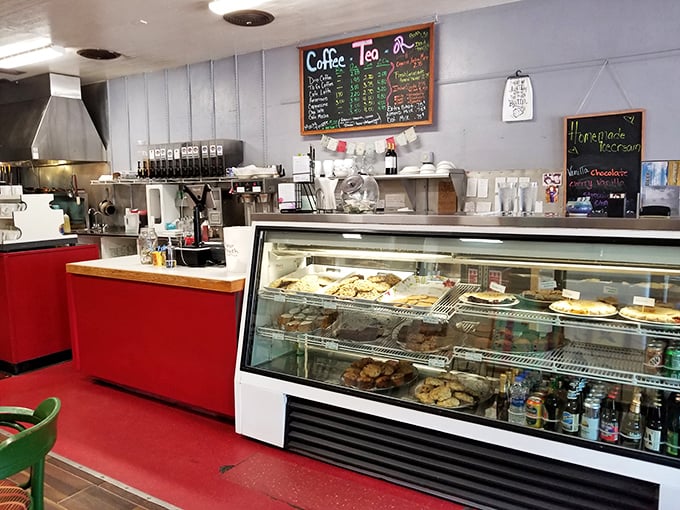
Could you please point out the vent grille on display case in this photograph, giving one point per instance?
(470, 472)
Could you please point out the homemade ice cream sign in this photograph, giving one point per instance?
(373, 81)
(602, 158)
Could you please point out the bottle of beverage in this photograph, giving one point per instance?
(631, 428)
(502, 398)
(673, 427)
(518, 396)
(551, 409)
(390, 160)
(571, 417)
(609, 420)
(653, 427)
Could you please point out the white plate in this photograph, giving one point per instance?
(464, 299)
(643, 321)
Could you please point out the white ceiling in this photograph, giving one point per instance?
(180, 32)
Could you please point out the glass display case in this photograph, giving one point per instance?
(558, 342)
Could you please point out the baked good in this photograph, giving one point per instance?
(368, 374)
(543, 295)
(384, 381)
(305, 326)
(349, 376)
(658, 314)
(489, 298)
(365, 383)
(583, 307)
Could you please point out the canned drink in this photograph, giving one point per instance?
(672, 358)
(654, 357)
(534, 411)
(590, 420)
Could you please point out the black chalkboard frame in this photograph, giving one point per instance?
(634, 117)
(386, 33)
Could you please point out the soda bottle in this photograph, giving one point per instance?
(673, 427)
(631, 428)
(609, 420)
(653, 427)
(571, 417)
(551, 408)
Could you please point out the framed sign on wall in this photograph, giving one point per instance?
(372, 81)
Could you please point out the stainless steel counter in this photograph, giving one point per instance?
(670, 227)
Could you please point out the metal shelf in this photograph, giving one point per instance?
(617, 325)
(442, 312)
(385, 348)
(613, 364)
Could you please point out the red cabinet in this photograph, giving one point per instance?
(173, 342)
(34, 326)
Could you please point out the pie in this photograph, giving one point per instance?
(658, 314)
(488, 298)
(584, 307)
(543, 295)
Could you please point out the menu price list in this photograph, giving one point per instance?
(378, 80)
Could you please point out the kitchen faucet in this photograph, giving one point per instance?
(92, 213)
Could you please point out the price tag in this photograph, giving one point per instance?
(278, 336)
(280, 298)
(333, 346)
(473, 356)
(331, 305)
(643, 301)
(436, 362)
(612, 291)
(240, 189)
(547, 284)
(497, 287)
(571, 294)
(430, 320)
(257, 189)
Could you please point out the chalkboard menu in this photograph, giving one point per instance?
(368, 82)
(603, 154)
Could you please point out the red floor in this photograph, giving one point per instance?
(193, 461)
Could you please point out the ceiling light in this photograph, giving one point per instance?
(31, 56)
(24, 46)
(222, 7)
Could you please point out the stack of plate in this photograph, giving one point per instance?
(409, 170)
(444, 167)
(427, 168)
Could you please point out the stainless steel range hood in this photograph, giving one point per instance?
(43, 121)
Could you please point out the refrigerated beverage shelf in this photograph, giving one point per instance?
(607, 363)
(441, 312)
(386, 348)
(614, 324)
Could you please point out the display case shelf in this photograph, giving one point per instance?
(385, 348)
(613, 364)
(615, 325)
(441, 312)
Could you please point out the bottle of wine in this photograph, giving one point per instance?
(390, 160)
(502, 399)
(673, 427)
(631, 433)
(551, 409)
(653, 427)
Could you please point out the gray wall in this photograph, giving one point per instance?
(563, 45)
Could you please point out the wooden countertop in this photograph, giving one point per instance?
(129, 268)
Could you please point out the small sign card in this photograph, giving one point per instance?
(643, 301)
(571, 294)
(497, 287)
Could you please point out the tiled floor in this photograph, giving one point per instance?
(67, 487)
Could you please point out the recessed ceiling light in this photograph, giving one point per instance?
(98, 54)
(248, 18)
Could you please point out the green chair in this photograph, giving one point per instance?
(36, 433)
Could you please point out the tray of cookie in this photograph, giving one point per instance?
(418, 292)
(313, 279)
(365, 284)
(454, 390)
(374, 375)
(361, 328)
(422, 337)
(305, 319)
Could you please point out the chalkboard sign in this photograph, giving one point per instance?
(368, 82)
(603, 154)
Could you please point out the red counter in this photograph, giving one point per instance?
(168, 333)
(34, 325)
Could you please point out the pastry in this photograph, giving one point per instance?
(583, 307)
(658, 314)
(489, 298)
